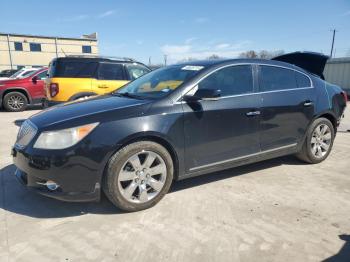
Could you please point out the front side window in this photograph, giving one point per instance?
(160, 82)
(18, 46)
(276, 78)
(135, 71)
(109, 71)
(34, 47)
(86, 49)
(233, 80)
(42, 75)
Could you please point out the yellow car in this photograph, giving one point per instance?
(71, 78)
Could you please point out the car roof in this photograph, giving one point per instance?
(97, 59)
(221, 62)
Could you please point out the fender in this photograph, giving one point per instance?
(14, 89)
(155, 137)
(81, 94)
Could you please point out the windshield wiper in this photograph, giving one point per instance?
(127, 94)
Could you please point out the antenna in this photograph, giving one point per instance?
(63, 52)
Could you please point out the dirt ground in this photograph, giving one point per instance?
(277, 210)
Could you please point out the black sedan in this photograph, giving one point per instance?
(178, 122)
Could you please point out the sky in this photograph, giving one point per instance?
(183, 29)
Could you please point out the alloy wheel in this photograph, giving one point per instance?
(15, 102)
(142, 177)
(321, 140)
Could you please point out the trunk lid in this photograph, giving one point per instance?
(309, 61)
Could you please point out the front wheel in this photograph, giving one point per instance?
(318, 142)
(138, 176)
(15, 102)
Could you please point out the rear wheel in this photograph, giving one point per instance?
(318, 142)
(15, 102)
(138, 176)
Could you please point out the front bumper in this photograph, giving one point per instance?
(77, 182)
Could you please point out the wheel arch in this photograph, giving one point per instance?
(153, 137)
(81, 94)
(17, 89)
(331, 117)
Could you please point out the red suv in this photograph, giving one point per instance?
(17, 94)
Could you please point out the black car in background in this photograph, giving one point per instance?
(7, 73)
(177, 122)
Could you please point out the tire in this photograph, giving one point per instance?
(126, 179)
(15, 102)
(308, 153)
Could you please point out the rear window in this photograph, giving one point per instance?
(74, 69)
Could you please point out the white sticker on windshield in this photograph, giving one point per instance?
(192, 68)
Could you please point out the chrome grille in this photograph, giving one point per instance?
(26, 133)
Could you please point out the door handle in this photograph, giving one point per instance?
(253, 113)
(308, 103)
(102, 86)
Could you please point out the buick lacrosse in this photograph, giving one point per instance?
(178, 122)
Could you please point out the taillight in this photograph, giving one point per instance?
(345, 95)
(54, 89)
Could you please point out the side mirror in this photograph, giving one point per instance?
(35, 79)
(204, 94)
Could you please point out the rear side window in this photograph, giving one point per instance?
(233, 80)
(73, 69)
(276, 78)
(302, 80)
(109, 71)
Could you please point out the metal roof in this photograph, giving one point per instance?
(52, 37)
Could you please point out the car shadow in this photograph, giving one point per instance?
(29, 108)
(233, 172)
(15, 198)
(344, 253)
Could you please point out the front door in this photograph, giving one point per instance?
(38, 85)
(218, 132)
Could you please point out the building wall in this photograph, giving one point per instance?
(337, 71)
(27, 58)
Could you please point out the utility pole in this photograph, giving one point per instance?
(165, 59)
(9, 47)
(333, 42)
(149, 61)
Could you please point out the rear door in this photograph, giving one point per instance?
(288, 99)
(110, 76)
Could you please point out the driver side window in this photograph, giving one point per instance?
(42, 75)
(232, 80)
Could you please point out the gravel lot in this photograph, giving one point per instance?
(277, 210)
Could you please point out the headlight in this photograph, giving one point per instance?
(64, 138)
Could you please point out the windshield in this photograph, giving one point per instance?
(160, 82)
(20, 73)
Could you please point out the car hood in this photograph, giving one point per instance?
(16, 81)
(311, 62)
(95, 109)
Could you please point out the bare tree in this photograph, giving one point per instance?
(213, 57)
(263, 54)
